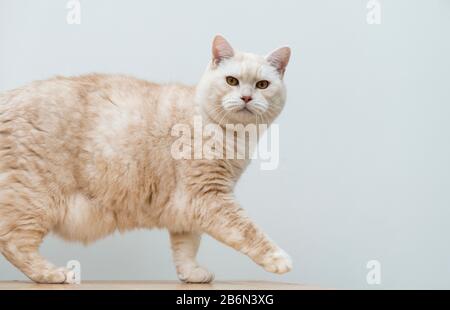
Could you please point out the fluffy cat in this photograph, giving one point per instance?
(85, 156)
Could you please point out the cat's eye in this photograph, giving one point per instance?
(232, 81)
(262, 84)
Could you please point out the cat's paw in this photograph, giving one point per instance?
(277, 262)
(196, 274)
(70, 277)
(54, 276)
(67, 275)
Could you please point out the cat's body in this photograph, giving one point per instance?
(83, 157)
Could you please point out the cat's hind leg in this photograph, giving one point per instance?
(25, 219)
(21, 248)
(184, 251)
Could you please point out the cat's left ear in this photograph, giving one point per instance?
(280, 59)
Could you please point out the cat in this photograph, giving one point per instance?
(83, 157)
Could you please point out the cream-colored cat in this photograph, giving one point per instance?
(83, 157)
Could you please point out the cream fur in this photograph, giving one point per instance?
(85, 156)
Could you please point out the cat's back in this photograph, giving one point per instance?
(63, 105)
(44, 105)
(57, 119)
(44, 124)
(66, 97)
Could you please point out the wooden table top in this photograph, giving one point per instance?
(155, 285)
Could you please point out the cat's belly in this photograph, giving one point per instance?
(84, 221)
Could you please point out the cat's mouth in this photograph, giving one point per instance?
(245, 109)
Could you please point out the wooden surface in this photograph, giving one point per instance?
(155, 285)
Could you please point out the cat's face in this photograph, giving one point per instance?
(243, 88)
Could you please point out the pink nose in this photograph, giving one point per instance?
(246, 99)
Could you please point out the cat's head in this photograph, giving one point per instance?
(243, 88)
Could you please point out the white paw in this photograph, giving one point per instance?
(196, 274)
(70, 277)
(55, 276)
(277, 262)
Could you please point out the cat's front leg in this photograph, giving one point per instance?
(184, 251)
(222, 218)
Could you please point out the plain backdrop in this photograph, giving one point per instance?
(364, 168)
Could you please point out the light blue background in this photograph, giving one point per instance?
(365, 136)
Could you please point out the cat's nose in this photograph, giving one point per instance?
(246, 99)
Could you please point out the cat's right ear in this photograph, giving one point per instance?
(221, 50)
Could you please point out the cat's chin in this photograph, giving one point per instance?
(246, 111)
(242, 116)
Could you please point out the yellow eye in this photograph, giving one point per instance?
(232, 81)
(262, 84)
